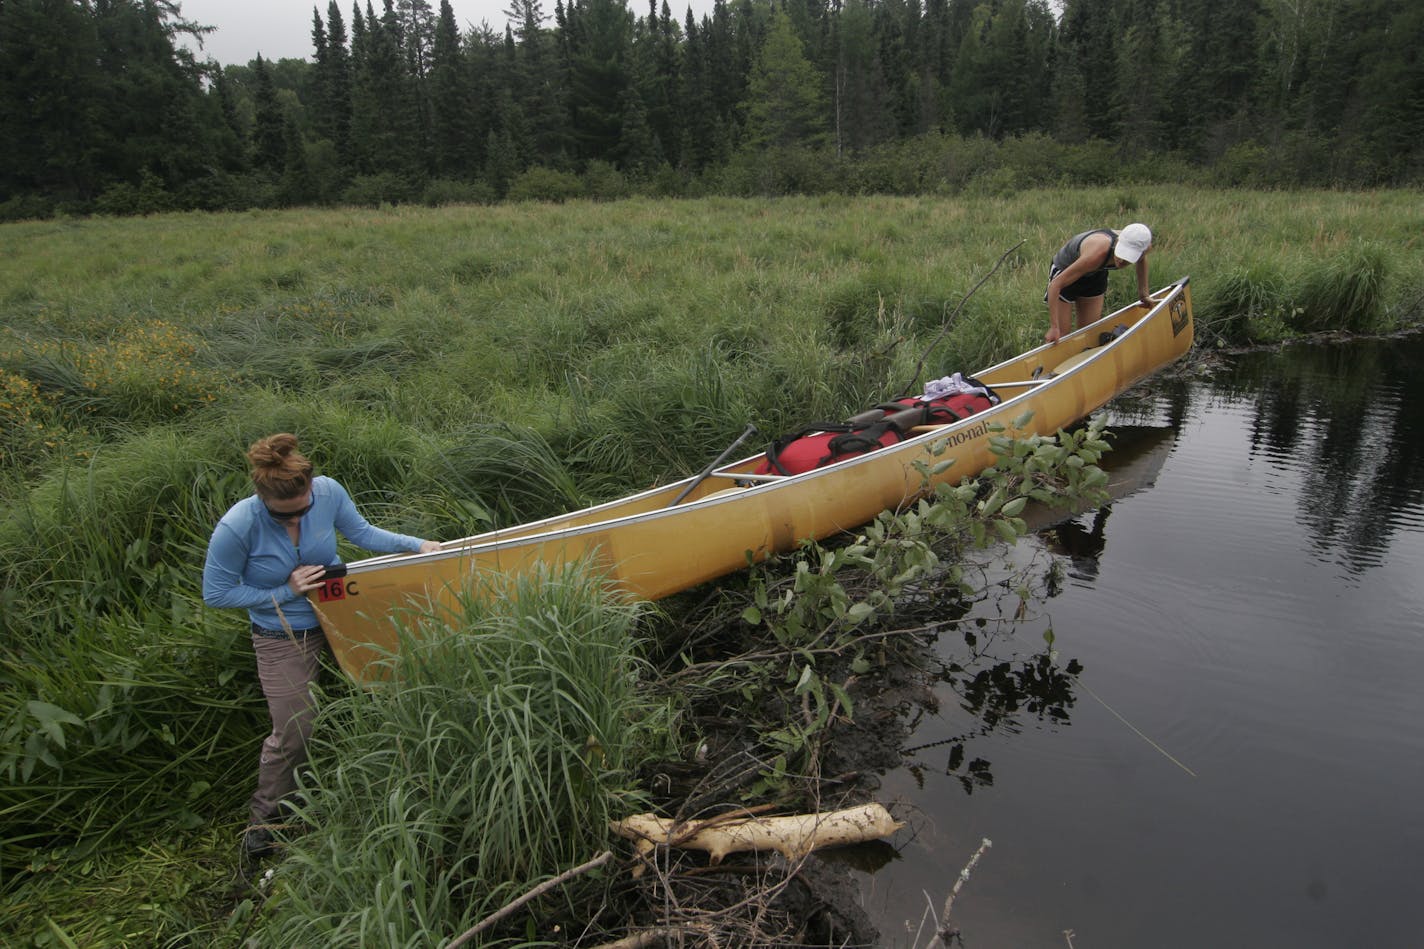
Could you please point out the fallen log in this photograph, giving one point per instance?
(793, 837)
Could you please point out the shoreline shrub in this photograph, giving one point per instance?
(545, 184)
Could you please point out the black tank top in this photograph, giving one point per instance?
(1069, 252)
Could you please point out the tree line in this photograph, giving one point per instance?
(103, 108)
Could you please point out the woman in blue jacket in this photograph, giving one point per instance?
(268, 551)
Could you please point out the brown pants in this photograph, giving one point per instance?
(287, 669)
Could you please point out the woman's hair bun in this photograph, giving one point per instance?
(279, 469)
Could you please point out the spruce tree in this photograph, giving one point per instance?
(536, 78)
(785, 105)
(50, 106)
(330, 106)
(383, 128)
(452, 102)
(861, 104)
(600, 34)
(892, 27)
(1087, 50)
(638, 151)
(699, 140)
(268, 147)
(337, 83)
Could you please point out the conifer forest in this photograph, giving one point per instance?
(104, 108)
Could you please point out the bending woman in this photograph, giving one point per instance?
(1078, 276)
(265, 554)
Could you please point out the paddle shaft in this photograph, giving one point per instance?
(702, 476)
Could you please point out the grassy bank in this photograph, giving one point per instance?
(440, 316)
(460, 368)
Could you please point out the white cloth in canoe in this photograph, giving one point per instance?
(954, 385)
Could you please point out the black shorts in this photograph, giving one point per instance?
(1094, 284)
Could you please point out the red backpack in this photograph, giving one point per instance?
(825, 443)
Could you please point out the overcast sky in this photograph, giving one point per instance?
(281, 29)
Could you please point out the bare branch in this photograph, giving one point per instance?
(949, 320)
(945, 932)
(533, 894)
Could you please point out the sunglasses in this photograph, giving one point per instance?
(287, 515)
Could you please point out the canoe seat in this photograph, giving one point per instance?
(1072, 362)
(1104, 338)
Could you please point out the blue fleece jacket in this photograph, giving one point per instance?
(251, 556)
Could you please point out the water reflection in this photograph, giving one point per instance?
(1347, 417)
(998, 696)
(1343, 418)
(1081, 544)
(1136, 459)
(1001, 695)
(1253, 614)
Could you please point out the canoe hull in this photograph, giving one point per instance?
(651, 549)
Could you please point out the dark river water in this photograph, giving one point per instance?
(1240, 759)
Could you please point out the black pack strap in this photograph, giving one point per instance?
(1109, 335)
(940, 415)
(778, 445)
(860, 442)
(880, 413)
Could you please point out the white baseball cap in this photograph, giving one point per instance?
(1132, 242)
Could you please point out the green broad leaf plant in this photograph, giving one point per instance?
(827, 612)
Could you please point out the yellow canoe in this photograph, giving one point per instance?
(652, 547)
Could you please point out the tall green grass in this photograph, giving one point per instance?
(1252, 301)
(1348, 292)
(132, 723)
(160, 893)
(126, 707)
(1265, 300)
(509, 735)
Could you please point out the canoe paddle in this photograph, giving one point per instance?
(702, 476)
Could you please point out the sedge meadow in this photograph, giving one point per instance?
(461, 368)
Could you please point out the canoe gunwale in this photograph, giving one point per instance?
(559, 526)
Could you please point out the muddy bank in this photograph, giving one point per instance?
(763, 899)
